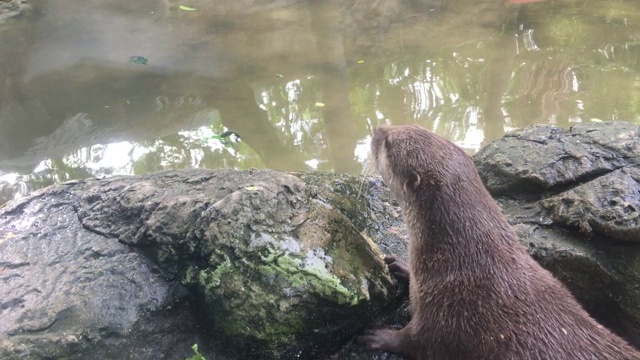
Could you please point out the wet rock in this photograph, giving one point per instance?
(608, 205)
(373, 210)
(542, 157)
(367, 203)
(66, 291)
(271, 262)
(263, 262)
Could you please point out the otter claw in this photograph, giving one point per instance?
(397, 267)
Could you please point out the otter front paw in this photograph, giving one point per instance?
(381, 339)
(397, 267)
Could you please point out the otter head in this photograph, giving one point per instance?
(414, 161)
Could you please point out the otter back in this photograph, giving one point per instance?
(474, 290)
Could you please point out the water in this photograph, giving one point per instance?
(294, 85)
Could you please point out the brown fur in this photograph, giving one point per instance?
(475, 292)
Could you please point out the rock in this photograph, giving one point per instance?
(367, 203)
(66, 291)
(608, 205)
(598, 192)
(542, 157)
(276, 268)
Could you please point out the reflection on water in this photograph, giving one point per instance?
(303, 83)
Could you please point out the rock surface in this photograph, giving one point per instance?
(260, 263)
(543, 157)
(270, 260)
(608, 205)
(66, 291)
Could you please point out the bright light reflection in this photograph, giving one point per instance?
(10, 178)
(203, 133)
(575, 84)
(116, 156)
(362, 149)
(313, 163)
(473, 137)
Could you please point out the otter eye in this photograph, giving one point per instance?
(412, 181)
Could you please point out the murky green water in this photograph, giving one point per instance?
(97, 88)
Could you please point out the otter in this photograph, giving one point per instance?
(475, 292)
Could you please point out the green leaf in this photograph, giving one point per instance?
(187, 8)
(138, 60)
(196, 354)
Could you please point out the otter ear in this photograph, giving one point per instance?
(413, 181)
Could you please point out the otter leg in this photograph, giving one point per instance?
(398, 267)
(394, 341)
